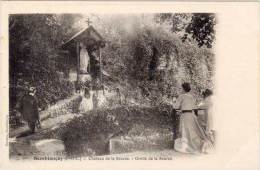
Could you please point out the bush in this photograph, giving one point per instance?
(89, 134)
(163, 62)
(49, 93)
(152, 62)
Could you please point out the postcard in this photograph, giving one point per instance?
(129, 85)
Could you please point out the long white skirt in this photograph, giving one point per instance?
(193, 138)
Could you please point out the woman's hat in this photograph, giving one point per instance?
(207, 92)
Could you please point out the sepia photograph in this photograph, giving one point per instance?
(120, 84)
(129, 85)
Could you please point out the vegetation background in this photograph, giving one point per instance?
(147, 56)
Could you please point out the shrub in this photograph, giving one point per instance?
(153, 62)
(90, 133)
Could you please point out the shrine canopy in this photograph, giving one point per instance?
(89, 36)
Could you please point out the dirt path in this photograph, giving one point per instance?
(24, 147)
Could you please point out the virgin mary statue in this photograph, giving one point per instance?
(84, 59)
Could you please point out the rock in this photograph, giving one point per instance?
(84, 77)
(125, 144)
(50, 147)
(120, 145)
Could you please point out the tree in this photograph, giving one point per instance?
(35, 55)
(200, 26)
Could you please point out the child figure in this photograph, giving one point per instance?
(87, 101)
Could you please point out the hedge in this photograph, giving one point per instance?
(89, 134)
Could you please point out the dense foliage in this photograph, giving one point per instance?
(200, 26)
(150, 61)
(90, 133)
(35, 56)
(145, 59)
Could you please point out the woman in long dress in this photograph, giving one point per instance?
(205, 116)
(193, 138)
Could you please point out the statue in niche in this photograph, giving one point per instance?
(84, 59)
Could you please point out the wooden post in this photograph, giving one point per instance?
(100, 69)
(78, 60)
(68, 64)
(65, 55)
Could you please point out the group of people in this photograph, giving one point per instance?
(197, 134)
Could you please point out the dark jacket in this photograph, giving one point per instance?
(29, 108)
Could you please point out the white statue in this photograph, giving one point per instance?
(84, 59)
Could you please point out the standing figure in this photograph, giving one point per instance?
(84, 59)
(193, 138)
(29, 109)
(205, 117)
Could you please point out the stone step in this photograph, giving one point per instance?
(49, 147)
(126, 144)
(61, 108)
(50, 123)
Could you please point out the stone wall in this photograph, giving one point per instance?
(62, 107)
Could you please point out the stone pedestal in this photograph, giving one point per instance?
(140, 143)
(85, 77)
(50, 147)
(120, 145)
